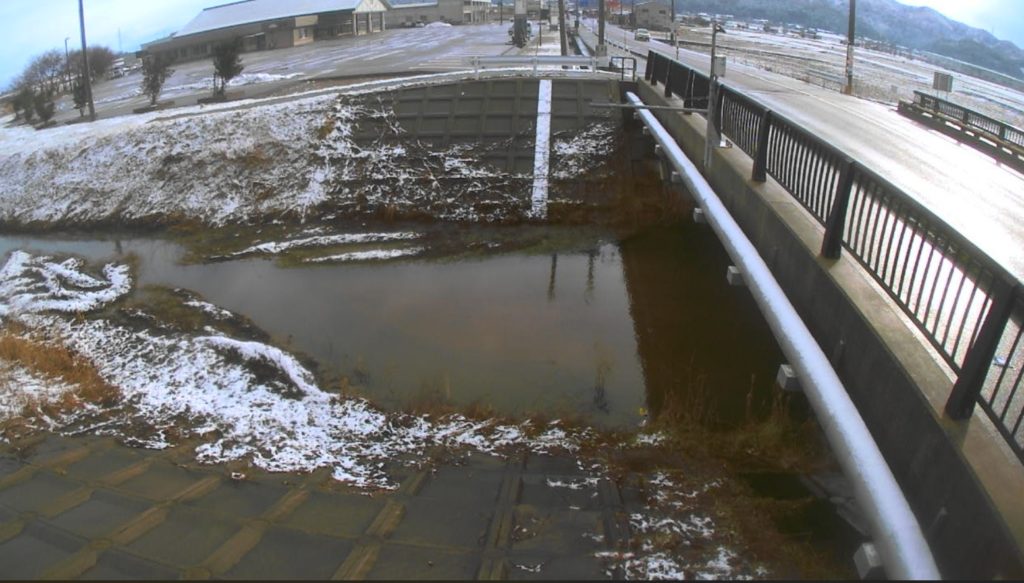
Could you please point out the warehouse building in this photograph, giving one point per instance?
(653, 15)
(405, 13)
(271, 24)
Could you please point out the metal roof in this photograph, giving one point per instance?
(252, 11)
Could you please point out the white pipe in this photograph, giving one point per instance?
(896, 533)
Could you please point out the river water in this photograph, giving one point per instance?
(603, 328)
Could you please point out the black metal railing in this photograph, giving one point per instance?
(993, 127)
(968, 306)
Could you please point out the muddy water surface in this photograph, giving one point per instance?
(602, 328)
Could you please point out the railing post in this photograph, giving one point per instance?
(649, 68)
(668, 79)
(967, 388)
(688, 90)
(719, 106)
(760, 173)
(832, 244)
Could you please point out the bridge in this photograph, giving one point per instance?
(901, 253)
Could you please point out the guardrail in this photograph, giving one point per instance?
(997, 139)
(894, 528)
(969, 307)
(537, 61)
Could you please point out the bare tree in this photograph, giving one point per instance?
(227, 64)
(43, 73)
(101, 59)
(155, 71)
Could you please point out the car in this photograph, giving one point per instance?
(642, 34)
(529, 29)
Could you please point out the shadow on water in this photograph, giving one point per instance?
(703, 344)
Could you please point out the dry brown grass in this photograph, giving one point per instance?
(58, 362)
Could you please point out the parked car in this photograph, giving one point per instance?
(642, 34)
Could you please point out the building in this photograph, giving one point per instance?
(653, 16)
(270, 24)
(408, 12)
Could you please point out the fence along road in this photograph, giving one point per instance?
(966, 305)
(965, 188)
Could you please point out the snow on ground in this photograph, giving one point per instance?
(672, 538)
(240, 162)
(251, 402)
(370, 255)
(180, 384)
(170, 91)
(279, 247)
(21, 388)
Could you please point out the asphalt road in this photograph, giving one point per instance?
(398, 51)
(978, 196)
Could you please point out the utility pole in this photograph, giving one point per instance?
(519, 37)
(561, 28)
(501, 12)
(672, 28)
(712, 138)
(602, 49)
(85, 63)
(848, 89)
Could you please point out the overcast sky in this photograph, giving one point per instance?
(29, 27)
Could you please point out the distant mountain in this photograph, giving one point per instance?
(915, 27)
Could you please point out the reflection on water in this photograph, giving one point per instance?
(702, 342)
(569, 332)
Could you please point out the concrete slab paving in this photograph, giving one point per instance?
(100, 515)
(116, 564)
(338, 515)
(290, 554)
(29, 554)
(472, 517)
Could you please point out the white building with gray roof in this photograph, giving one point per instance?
(409, 12)
(271, 24)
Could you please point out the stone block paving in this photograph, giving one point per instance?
(89, 508)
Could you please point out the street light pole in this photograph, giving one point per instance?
(851, 34)
(602, 49)
(85, 63)
(67, 62)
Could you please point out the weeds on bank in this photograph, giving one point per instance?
(53, 361)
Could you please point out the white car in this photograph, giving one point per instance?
(642, 34)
